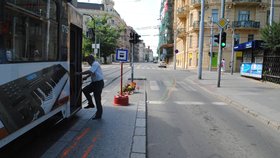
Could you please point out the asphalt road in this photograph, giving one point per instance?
(184, 121)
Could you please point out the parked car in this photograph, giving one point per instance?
(155, 61)
(162, 64)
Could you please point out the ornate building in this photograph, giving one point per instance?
(246, 18)
(107, 7)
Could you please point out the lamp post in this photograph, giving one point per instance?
(232, 48)
(232, 52)
(94, 35)
(201, 39)
(211, 44)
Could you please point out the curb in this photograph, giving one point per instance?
(139, 141)
(242, 108)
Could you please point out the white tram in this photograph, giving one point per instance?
(40, 51)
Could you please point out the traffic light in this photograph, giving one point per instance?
(217, 38)
(91, 33)
(224, 39)
(131, 36)
(136, 38)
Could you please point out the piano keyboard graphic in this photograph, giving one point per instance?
(27, 98)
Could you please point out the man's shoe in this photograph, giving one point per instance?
(96, 118)
(89, 106)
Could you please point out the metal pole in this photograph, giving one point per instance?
(132, 64)
(93, 29)
(232, 52)
(99, 48)
(175, 36)
(201, 38)
(271, 12)
(121, 78)
(220, 47)
(211, 45)
(175, 39)
(95, 47)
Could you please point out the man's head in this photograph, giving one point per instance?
(90, 59)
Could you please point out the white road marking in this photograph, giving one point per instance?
(189, 103)
(219, 103)
(154, 86)
(185, 102)
(155, 102)
(190, 88)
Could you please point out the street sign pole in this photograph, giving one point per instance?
(221, 22)
(201, 39)
(211, 45)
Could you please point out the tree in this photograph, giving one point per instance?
(271, 36)
(107, 34)
(86, 46)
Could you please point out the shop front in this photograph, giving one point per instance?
(252, 58)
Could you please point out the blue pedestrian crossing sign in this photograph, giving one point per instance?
(122, 55)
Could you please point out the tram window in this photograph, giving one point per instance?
(53, 11)
(25, 38)
(38, 7)
(52, 55)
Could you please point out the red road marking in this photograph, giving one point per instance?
(89, 149)
(77, 139)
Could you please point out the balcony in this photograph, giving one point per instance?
(181, 32)
(246, 2)
(182, 12)
(195, 26)
(246, 25)
(195, 3)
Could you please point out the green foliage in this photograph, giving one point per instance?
(271, 36)
(106, 34)
(86, 46)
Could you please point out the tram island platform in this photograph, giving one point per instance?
(121, 133)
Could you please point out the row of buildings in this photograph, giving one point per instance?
(141, 51)
(180, 25)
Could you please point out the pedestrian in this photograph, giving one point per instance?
(223, 65)
(96, 85)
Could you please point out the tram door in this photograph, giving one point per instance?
(75, 66)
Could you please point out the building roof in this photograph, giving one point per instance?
(93, 6)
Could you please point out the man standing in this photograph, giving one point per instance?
(223, 65)
(96, 85)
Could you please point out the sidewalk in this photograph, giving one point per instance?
(120, 133)
(256, 98)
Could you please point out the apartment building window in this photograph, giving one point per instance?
(190, 41)
(215, 15)
(244, 15)
(250, 37)
(191, 19)
(236, 39)
(199, 15)
(267, 16)
(197, 41)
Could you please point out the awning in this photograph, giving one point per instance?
(249, 45)
(167, 45)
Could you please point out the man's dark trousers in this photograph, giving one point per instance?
(95, 87)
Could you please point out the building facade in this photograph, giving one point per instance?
(245, 17)
(166, 32)
(98, 10)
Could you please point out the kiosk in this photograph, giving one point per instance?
(252, 58)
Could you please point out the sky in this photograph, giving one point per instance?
(140, 14)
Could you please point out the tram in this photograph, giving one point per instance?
(40, 51)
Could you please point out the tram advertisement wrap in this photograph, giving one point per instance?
(32, 96)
